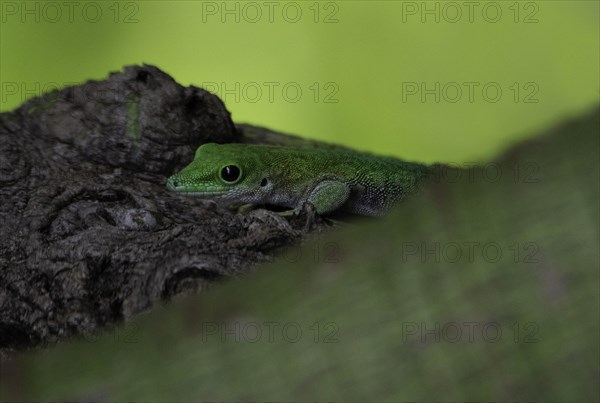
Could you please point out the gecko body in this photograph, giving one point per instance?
(355, 182)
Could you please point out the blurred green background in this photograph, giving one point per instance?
(360, 67)
(350, 72)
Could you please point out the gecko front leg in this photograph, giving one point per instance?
(328, 195)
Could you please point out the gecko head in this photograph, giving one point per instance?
(226, 171)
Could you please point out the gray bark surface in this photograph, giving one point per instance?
(90, 235)
(396, 309)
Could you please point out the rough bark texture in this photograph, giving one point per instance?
(397, 309)
(89, 234)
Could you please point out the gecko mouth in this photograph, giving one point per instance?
(203, 193)
(175, 186)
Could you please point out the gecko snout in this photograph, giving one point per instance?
(172, 184)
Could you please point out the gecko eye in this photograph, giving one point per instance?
(230, 173)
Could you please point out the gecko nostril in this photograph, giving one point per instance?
(175, 183)
(263, 183)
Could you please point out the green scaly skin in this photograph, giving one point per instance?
(329, 180)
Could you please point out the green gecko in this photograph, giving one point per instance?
(292, 177)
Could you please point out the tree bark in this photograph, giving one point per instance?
(482, 288)
(90, 235)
